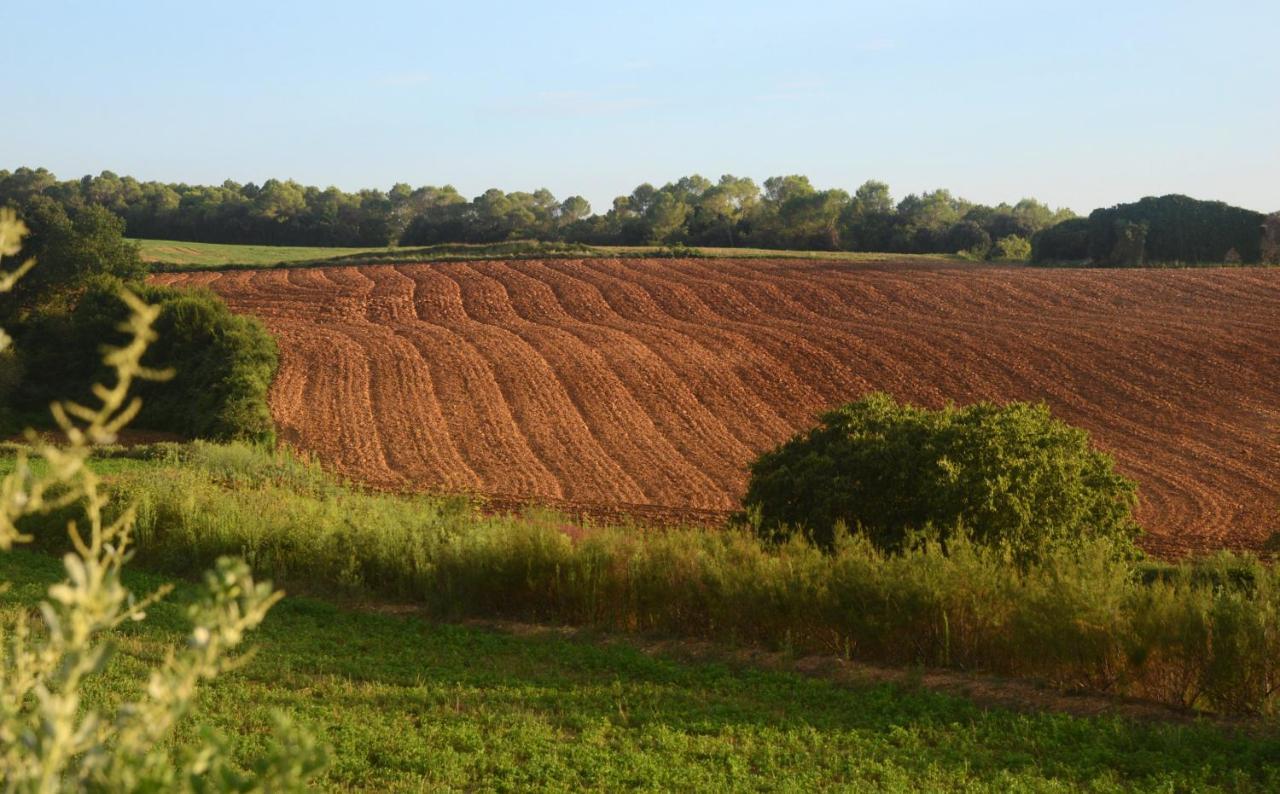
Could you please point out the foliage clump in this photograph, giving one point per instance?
(1013, 248)
(1063, 242)
(1010, 475)
(223, 363)
(71, 247)
(1161, 230)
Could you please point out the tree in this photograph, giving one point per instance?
(665, 218)
(779, 189)
(968, 238)
(640, 199)
(1067, 241)
(279, 201)
(936, 209)
(923, 220)
(71, 250)
(872, 197)
(723, 208)
(572, 210)
(770, 226)
(870, 218)
(24, 184)
(812, 220)
(1129, 246)
(1033, 215)
(689, 189)
(1173, 229)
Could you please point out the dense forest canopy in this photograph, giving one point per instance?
(784, 212)
(1162, 230)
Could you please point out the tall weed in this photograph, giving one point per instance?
(1202, 634)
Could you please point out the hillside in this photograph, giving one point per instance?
(612, 383)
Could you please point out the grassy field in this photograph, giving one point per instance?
(170, 255)
(406, 704)
(198, 255)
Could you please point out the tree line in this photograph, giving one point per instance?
(785, 212)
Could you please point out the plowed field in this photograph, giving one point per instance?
(649, 384)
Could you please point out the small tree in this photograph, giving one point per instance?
(1007, 474)
(50, 741)
(1013, 249)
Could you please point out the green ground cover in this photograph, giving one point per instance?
(197, 255)
(406, 704)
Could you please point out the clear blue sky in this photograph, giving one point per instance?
(1079, 104)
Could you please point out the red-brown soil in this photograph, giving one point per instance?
(652, 383)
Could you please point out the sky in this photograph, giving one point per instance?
(1082, 104)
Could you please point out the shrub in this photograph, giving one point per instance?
(223, 367)
(1013, 249)
(67, 309)
(223, 363)
(678, 251)
(1011, 475)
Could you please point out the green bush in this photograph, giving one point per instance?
(223, 367)
(223, 363)
(1012, 249)
(1009, 474)
(67, 308)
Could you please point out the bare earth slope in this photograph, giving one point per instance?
(653, 382)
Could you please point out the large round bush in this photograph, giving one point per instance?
(1007, 473)
(223, 363)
